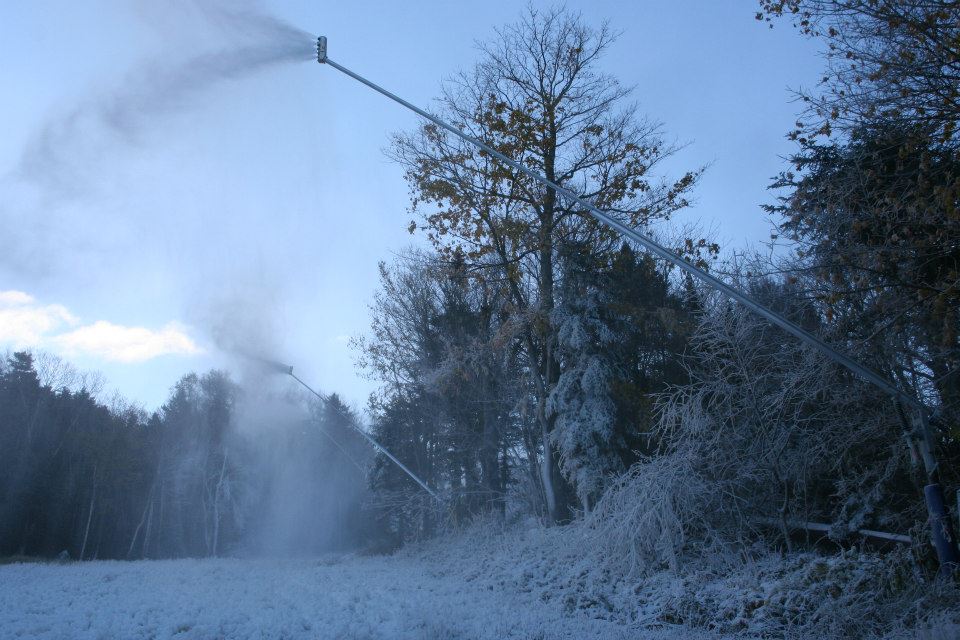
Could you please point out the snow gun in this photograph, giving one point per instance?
(941, 526)
(284, 369)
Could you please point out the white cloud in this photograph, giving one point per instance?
(12, 297)
(23, 323)
(125, 344)
(26, 324)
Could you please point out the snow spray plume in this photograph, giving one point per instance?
(154, 89)
(267, 364)
(304, 466)
(243, 316)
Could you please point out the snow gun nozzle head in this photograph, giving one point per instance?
(270, 365)
(279, 367)
(322, 49)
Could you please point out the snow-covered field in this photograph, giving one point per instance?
(485, 582)
(335, 597)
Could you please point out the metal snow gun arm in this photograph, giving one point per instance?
(942, 534)
(284, 369)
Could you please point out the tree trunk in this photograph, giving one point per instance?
(489, 464)
(147, 537)
(218, 493)
(556, 487)
(148, 507)
(93, 499)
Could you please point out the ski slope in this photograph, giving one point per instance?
(346, 597)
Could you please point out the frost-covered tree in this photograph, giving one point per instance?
(585, 415)
(451, 392)
(870, 201)
(621, 334)
(537, 95)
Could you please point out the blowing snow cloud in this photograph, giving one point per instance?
(244, 42)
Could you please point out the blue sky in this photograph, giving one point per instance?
(261, 205)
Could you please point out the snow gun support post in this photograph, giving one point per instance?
(941, 536)
(278, 367)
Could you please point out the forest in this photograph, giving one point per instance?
(533, 365)
(213, 472)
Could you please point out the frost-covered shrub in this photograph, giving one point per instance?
(940, 625)
(643, 520)
(767, 435)
(846, 595)
(851, 594)
(777, 434)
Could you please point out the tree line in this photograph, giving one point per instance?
(213, 471)
(530, 357)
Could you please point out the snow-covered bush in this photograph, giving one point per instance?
(767, 433)
(847, 594)
(844, 595)
(643, 520)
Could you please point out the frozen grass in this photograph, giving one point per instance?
(347, 598)
(521, 582)
(802, 595)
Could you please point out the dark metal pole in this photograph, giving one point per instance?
(942, 533)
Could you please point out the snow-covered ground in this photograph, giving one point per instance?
(488, 581)
(346, 597)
